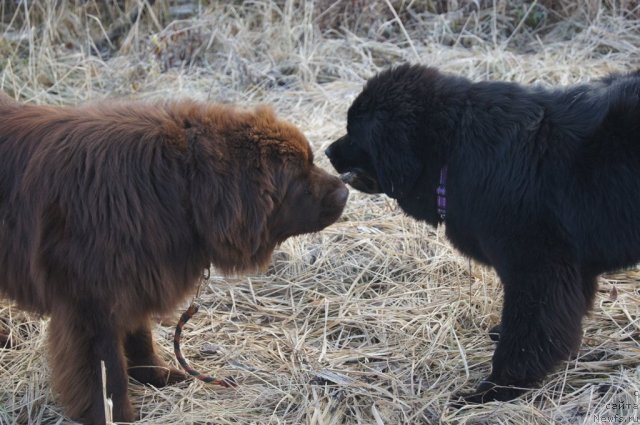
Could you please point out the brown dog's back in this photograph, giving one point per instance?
(77, 191)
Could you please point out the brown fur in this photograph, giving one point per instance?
(109, 213)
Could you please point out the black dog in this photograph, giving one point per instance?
(542, 184)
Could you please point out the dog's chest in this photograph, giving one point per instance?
(465, 241)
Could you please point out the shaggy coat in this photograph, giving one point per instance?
(542, 184)
(109, 213)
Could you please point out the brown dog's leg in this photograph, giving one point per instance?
(80, 337)
(144, 364)
(541, 326)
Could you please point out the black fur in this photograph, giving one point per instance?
(542, 184)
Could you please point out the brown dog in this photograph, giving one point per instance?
(109, 213)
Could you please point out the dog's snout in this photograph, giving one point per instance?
(340, 195)
(336, 194)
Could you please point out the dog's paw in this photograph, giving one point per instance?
(174, 376)
(157, 375)
(486, 392)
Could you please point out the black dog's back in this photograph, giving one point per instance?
(570, 155)
(599, 201)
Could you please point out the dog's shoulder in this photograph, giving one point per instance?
(623, 92)
(609, 105)
(580, 112)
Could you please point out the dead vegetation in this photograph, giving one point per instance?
(377, 319)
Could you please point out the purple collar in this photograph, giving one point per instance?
(441, 191)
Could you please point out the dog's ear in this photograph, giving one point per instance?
(397, 166)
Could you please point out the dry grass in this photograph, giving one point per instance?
(376, 319)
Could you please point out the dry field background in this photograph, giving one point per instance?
(376, 320)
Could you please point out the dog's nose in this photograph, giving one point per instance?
(329, 151)
(340, 196)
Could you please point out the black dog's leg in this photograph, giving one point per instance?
(541, 326)
(589, 286)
